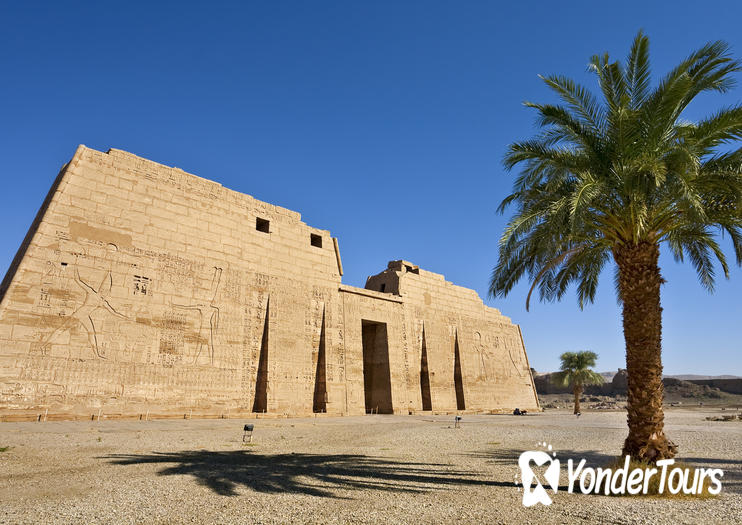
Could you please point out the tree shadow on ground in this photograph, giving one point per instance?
(509, 456)
(312, 474)
(731, 481)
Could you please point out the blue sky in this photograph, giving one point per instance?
(384, 122)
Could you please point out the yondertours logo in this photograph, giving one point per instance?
(540, 470)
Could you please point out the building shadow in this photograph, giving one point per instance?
(311, 474)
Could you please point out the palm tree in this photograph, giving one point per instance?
(618, 178)
(575, 371)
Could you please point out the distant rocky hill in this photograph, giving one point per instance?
(710, 387)
(695, 377)
(608, 376)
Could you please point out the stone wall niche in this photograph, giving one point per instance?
(376, 377)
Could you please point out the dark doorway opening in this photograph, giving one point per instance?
(376, 377)
(261, 380)
(458, 383)
(425, 376)
(320, 378)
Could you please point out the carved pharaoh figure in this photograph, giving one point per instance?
(208, 314)
(96, 299)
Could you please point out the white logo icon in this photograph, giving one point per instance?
(538, 493)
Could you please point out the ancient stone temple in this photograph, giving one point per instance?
(141, 287)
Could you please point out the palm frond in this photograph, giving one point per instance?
(638, 71)
(621, 170)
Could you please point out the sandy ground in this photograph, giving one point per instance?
(374, 469)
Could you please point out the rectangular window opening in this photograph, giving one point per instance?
(262, 225)
(383, 287)
(316, 240)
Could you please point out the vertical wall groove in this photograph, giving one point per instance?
(457, 379)
(320, 377)
(261, 380)
(425, 376)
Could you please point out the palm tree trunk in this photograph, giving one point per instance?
(577, 392)
(639, 283)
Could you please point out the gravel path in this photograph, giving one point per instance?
(374, 469)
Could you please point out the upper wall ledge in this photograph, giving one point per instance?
(371, 293)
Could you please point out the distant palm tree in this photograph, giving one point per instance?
(575, 372)
(616, 179)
